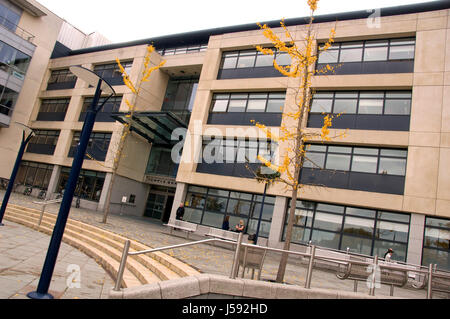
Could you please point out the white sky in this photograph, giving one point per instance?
(122, 21)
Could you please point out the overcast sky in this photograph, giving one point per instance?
(122, 21)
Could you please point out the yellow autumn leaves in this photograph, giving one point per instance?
(302, 66)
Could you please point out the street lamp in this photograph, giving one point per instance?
(47, 271)
(23, 144)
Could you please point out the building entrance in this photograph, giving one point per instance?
(159, 203)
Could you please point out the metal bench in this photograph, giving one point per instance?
(223, 234)
(440, 281)
(252, 258)
(395, 275)
(180, 224)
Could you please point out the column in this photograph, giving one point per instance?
(102, 200)
(415, 242)
(276, 227)
(53, 183)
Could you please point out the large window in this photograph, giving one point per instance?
(53, 109)
(242, 108)
(97, 147)
(104, 115)
(366, 110)
(359, 168)
(370, 56)
(9, 16)
(61, 79)
(13, 58)
(8, 100)
(363, 231)
(160, 162)
(34, 174)
(180, 96)
(209, 206)
(89, 185)
(251, 63)
(112, 73)
(234, 157)
(184, 49)
(436, 245)
(43, 142)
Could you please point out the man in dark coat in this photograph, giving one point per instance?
(180, 212)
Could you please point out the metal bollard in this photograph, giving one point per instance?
(310, 267)
(430, 279)
(123, 262)
(373, 279)
(235, 266)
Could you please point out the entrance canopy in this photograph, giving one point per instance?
(155, 127)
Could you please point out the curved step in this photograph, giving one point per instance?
(106, 247)
(170, 263)
(107, 262)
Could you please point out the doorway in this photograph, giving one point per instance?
(159, 203)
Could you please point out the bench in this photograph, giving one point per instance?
(440, 281)
(357, 272)
(222, 234)
(180, 224)
(252, 258)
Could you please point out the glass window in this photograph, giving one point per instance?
(264, 60)
(325, 239)
(314, 160)
(329, 56)
(392, 231)
(283, 59)
(338, 162)
(360, 212)
(321, 105)
(275, 105)
(351, 55)
(328, 221)
(380, 247)
(195, 200)
(345, 106)
(365, 164)
(216, 204)
(246, 61)
(256, 106)
(359, 226)
(370, 106)
(392, 166)
(396, 217)
(397, 107)
(192, 215)
(393, 153)
(237, 105)
(220, 106)
(357, 245)
(375, 54)
(401, 52)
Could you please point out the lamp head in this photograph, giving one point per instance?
(91, 78)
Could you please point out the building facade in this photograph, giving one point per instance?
(385, 184)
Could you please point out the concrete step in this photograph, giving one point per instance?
(171, 264)
(107, 262)
(106, 247)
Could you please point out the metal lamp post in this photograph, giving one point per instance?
(23, 144)
(55, 241)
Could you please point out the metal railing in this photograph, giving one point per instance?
(44, 204)
(428, 272)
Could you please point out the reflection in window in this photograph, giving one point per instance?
(436, 246)
(363, 231)
(367, 51)
(209, 206)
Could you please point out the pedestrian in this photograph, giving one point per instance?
(180, 212)
(226, 223)
(240, 227)
(388, 254)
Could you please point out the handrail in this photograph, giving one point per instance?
(126, 253)
(312, 255)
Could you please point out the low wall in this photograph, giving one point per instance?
(209, 286)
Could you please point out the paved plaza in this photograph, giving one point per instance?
(23, 250)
